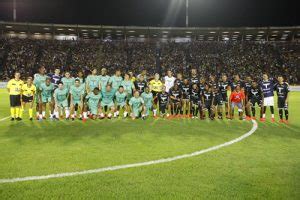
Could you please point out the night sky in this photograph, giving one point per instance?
(155, 12)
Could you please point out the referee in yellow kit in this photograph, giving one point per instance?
(14, 87)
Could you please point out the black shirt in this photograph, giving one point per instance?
(282, 90)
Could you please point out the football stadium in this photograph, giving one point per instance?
(174, 99)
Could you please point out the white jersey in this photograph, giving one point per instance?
(169, 82)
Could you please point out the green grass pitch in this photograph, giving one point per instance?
(265, 165)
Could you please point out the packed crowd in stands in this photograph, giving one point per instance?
(244, 58)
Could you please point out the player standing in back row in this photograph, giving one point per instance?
(267, 87)
(282, 89)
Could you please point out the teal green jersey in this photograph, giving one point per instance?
(61, 94)
(93, 99)
(92, 81)
(136, 103)
(46, 90)
(68, 82)
(128, 86)
(121, 97)
(104, 80)
(77, 92)
(115, 81)
(148, 98)
(108, 97)
(38, 80)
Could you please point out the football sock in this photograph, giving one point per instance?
(125, 114)
(21, 112)
(286, 113)
(253, 111)
(154, 112)
(56, 114)
(219, 114)
(196, 112)
(272, 111)
(67, 111)
(43, 113)
(247, 112)
(280, 113)
(84, 115)
(17, 112)
(30, 112)
(12, 112)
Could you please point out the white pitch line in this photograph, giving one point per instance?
(4, 118)
(153, 162)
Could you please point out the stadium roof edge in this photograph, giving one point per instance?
(146, 27)
(283, 33)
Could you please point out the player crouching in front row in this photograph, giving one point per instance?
(92, 103)
(61, 95)
(137, 106)
(237, 98)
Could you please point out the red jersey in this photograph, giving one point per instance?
(237, 97)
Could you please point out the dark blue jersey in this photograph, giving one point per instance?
(223, 87)
(237, 83)
(267, 88)
(282, 90)
(55, 79)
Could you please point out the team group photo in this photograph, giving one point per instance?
(102, 96)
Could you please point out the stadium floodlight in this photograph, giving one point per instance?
(119, 31)
(165, 36)
(261, 31)
(212, 32)
(141, 35)
(119, 34)
(8, 26)
(274, 31)
(188, 32)
(226, 38)
(225, 32)
(237, 32)
(274, 35)
(22, 32)
(165, 32)
(60, 29)
(95, 30)
(131, 31)
(70, 29)
(287, 31)
(37, 33)
(108, 31)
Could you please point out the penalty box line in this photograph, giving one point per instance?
(140, 164)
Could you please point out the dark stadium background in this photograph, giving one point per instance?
(155, 12)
